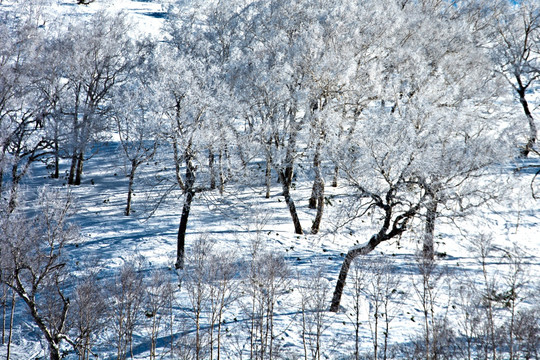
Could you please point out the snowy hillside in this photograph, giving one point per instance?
(226, 119)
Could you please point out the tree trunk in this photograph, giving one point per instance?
(11, 317)
(221, 173)
(335, 178)
(286, 181)
(317, 195)
(351, 255)
(428, 248)
(521, 90)
(72, 168)
(268, 177)
(54, 352)
(80, 161)
(5, 293)
(134, 165)
(182, 229)
(312, 204)
(320, 206)
(56, 174)
(56, 143)
(14, 189)
(2, 170)
(189, 194)
(286, 177)
(53, 341)
(211, 160)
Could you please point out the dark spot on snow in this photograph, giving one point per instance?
(157, 14)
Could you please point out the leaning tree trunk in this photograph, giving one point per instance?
(351, 255)
(189, 194)
(391, 228)
(11, 318)
(521, 90)
(286, 182)
(286, 177)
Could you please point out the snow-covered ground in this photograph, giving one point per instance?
(242, 219)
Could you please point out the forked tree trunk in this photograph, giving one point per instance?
(391, 228)
(285, 175)
(52, 340)
(351, 255)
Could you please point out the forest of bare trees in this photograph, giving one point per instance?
(412, 114)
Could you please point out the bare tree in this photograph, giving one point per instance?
(34, 264)
(411, 153)
(160, 290)
(266, 282)
(22, 109)
(383, 291)
(98, 55)
(89, 315)
(137, 119)
(195, 281)
(125, 295)
(197, 106)
(427, 287)
(517, 29)
(314, 290)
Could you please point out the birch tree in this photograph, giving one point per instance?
(517, 36)
(34, 265)
(198, 102)
(22, 109)
(431, 133)
(137, 118)
(97, 57)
